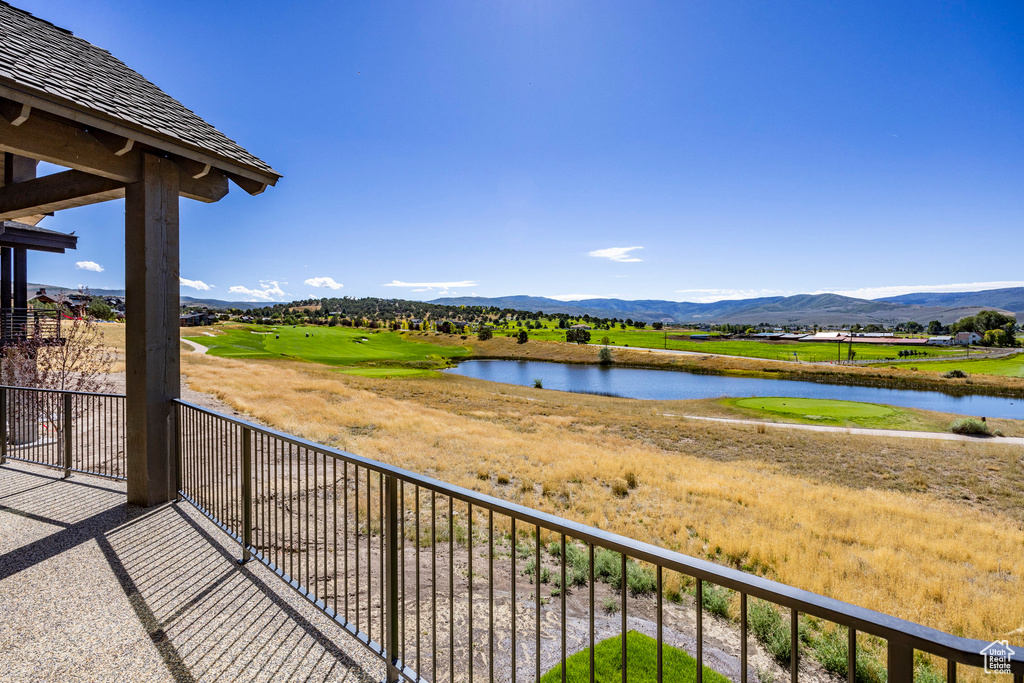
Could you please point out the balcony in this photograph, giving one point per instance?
(285, 559)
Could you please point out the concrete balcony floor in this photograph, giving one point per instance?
(92, 589)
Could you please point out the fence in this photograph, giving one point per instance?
(42, 324)
(444, 583)
(74, 431)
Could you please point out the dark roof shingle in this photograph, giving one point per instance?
(39, 55)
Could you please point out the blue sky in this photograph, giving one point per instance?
(676, 150)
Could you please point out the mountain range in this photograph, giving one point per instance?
(801, 309)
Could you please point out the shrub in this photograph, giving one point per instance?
(608, 566)
(611, 605)
(631, 480)
(831, 650)
(767, 624)
(620, 488)
(715, 599)
(484, 333)
(538, 384)
(969, 425)
(955, 374)
(639, 579)
(604, 356)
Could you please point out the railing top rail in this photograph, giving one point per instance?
(896, 630)
(66, 391)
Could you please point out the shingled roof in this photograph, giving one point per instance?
(44, 60)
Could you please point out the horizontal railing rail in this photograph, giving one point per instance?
(363, 541)
(71, 430)
(30, 323)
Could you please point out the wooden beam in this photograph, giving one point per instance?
(71, 189)
(152, 358)
(56, 192)
(47, 104)
(47, 139)
(115, 143)
(194, 169)
(253, 187)
(15, 113)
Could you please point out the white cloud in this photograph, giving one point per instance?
(897, 290)
(194, 284)
(620, 254)
(89, 265)
(430, 286)
(268, 290)
(706, 296)
(324, 282)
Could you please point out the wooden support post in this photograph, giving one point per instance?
(151, 308)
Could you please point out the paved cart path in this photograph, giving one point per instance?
(898, 433)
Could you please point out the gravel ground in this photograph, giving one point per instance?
(94, 590)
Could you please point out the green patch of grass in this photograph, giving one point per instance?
(836, 413)
(1011, 366)
(641, 663)
(338, 346)
(747, 348)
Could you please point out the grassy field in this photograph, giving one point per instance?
(929, 531)
(1011, 366)
(839, 413)
(641, 663)
(373, 353)
(774, 350)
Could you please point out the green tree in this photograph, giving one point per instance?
(99, 309)
(523, 337)
(484, 333)
(604, 356)
(934, 328)
(656, 326)
(578, 335)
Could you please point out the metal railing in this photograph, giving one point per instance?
(73, 431)
(447, 584)
(41, 324)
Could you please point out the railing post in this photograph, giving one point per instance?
(246, 495)
(3, 425)
(175, 437)
(391, 614)
(67, 435)
(900, 663)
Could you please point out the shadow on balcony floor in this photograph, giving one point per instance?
(92, 589)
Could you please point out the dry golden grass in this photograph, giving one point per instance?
(849, 525)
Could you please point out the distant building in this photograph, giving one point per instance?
(944, 340)
(966, 338)
(195, 319)
(580, 326)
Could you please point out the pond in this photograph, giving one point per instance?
(675, 385)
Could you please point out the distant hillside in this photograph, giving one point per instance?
(210, 303)
(801, 309)
(1009, 299)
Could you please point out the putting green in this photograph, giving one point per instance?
(816, 408)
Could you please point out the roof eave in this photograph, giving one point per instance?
(59, 106)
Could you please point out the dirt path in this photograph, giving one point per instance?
(899, 433)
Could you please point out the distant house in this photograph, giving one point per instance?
(944, 340)
(966, 338)
(42, 298)
(580, 326)
(195, 319)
